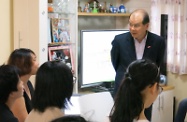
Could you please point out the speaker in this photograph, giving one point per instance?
(164, 26)
(164, 33)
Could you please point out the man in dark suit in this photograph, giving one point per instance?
(137, 44)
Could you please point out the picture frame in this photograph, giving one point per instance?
(62, 53)
(49, 30)
(60, 30)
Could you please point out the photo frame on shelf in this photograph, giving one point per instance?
(60, 30)
(49, 30)
(62, 53)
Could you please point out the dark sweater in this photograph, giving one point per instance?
(6, 114)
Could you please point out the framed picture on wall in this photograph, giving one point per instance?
(62, 53)
(49, 31)
(60, 30)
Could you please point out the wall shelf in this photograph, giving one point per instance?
(60, 43)
(103, 14)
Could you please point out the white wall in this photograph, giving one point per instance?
(180, 84)
(6, 30)
(135, 4)
(109, 22)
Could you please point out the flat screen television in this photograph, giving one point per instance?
(95, 65)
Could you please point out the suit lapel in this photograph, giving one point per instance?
(148, 45)
(131, 48)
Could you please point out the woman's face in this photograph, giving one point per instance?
(151, 93)
(35, 65)
(156, 92)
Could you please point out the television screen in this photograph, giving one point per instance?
(95, 61)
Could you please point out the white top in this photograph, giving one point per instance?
(107, 120)
(140, 46)
(48, 115)
(140, 120)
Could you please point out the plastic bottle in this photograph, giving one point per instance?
(111, 8)
(79, 7)
(104, 7)
(94, 8)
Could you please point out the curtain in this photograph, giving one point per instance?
(177, 31)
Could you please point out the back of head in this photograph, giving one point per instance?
(9, 78)
(128, 102)
(22, 59)
(53, 86)
(70, 118)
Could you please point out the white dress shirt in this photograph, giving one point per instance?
(140, 46)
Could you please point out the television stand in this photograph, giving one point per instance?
(99, 89)
(102, 87)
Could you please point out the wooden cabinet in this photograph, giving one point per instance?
(162, 110)
(30, 26)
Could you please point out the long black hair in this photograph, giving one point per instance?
(128, 101)
(9, 78)
(53, 87)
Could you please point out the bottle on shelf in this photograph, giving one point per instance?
(104, 7)
(111, 8)
(122, 9)
(100, 9)
(94, 7)
(50, 7)
(86, 8)
(79, 7)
